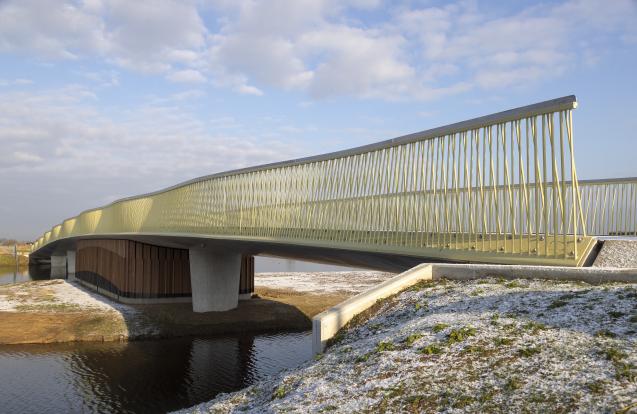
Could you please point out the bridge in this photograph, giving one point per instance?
(501, 188)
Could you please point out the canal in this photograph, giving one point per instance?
(143, 376)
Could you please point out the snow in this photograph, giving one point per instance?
(61, 295)
(322, 282)
(529, 346)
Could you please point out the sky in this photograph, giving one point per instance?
(102, 99)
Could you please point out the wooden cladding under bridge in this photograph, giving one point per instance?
(132, 269)
(246, 283)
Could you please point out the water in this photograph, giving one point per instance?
(12, 274)
(142, 376)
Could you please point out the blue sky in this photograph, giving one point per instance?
(101, 99)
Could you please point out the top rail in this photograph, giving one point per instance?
(540, 108)
(497, 188)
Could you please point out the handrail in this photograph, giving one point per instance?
(501, 187)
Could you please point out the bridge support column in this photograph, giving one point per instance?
(58, 266)
(70, 264)
(214, 278)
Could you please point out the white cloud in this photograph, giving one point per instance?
(186, 76)
(325, 48)
(21, 156)
(249, 90)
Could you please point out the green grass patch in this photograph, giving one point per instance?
(420, 306)
(534, 326)
(613, 354)
(409, 341)
(460, 334)
(605, 333)
(596, 387)
(431, 349)
(279, 393)
(515, 284)
(385, 346)
(529, 351)
(439, 327)
(513, 383)
(557, 303)
(625, 371)
(363, 358)
(503, 341)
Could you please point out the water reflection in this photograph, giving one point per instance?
(14, 274)
(144, 376)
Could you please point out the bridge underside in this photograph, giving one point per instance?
(318, 254)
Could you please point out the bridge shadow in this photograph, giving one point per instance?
(170, 320)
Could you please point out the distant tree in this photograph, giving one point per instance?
(9, 242)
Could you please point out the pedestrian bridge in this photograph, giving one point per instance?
(501, 188)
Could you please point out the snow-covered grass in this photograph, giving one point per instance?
(480, 346)
(61, 296)
(322, 282)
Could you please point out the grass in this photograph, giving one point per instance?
(279, 393)
(363, 358)
(385, 346)
(419, 306)
(615, 314)
(513, 384)
(409, 341)
(439, 327)
(460, 334)
(514, 285)
(503, 341)
(557, 303)
(534, 327)
(613, 354)
(529, 351)
(48, 307)
(605, 333)
(431, 349)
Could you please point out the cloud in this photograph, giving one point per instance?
(325, 48)
(186, 76)
(61, 132)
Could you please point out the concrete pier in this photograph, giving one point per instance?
(70, 264)
(214, 278)
(58, 266)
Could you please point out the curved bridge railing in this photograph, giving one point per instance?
(501, 188)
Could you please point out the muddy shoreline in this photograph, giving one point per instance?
(54, 311)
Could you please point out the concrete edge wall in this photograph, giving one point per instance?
(326, 324)
(593, 275)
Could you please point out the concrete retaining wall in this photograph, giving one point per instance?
(326, 324)
(583, 274)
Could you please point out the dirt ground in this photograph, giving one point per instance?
(35, 312)
(309, 304)
(48, 327)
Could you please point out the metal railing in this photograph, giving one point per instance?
(610, 206)
(501, 188)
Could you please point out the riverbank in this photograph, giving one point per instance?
(473, 346)
(58, 311)
(9, 260)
